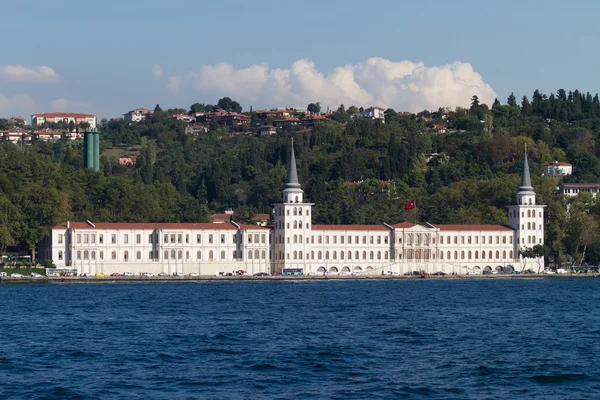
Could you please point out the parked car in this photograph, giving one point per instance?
(36, 275)
(148, 274)
(439, 273)
(163, 274)
(177, 273)
(128, 274)
(356, 273)
(267, 274)
(16, 275)
(85, 274)
(193, 274)
(68, 274)
(116, 274)
(100, 275)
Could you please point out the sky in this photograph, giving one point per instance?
(110, 57)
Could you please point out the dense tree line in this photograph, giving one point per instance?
(467, 175)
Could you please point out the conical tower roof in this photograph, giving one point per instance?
(525, 177)
(292, 176)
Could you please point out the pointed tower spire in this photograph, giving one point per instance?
(292, 176)
(525, 178)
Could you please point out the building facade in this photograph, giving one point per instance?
(573, 189)
(76, 118)
(294, 242)
(557, 168)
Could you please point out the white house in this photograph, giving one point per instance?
(373, 113)
(573, 189)
(137, 115)
(556, 168)
(294, 242)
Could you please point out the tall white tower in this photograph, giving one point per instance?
(527, 217)
(292, 224)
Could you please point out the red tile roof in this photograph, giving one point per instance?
(581, 185)
(260, 217)
(64, 114)
(153, 225)
(457, 227)
(403, 225)
(349, 228)
(559, 163)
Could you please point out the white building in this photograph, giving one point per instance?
(373, 113)
(294, 242)
(556, 168)
(573, 189)
(76, 118)
(137, 115)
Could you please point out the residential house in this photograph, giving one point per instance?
(573, 189)
(373, 113)
(557, 168)
(267, 130)
(137, 115)
(196, 130)
(77, 118)
(183, 117)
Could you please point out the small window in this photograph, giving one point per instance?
(60, 255)
(222, 240)
(150, 238)
(126, 239)
(113, 240)
(210, 238)
(78, 238)
(86, 238)
(138, 239)
(198, 240)
(60, 238)
(179, 238)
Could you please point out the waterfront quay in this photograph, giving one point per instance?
(113, 279)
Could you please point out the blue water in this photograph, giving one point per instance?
(438, 339)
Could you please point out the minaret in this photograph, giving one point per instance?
(527, 217)
(292, 224)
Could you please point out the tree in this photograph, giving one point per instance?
(227, 104)
(157, 108)
(526, 109)
(314, 108)
(512, 100)
(196, 107)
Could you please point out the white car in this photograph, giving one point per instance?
(35, 275)
(311, 274)
(163, 274)
(128, 274)
(193, 274)
(149, 274)
(177, 273)
(16, 275)
(85, 274)
(356, 273)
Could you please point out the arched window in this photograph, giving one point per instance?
(341, 255)
(387, 255)
(455, 239)
(476, 255)
(296, 199)
(379, 255)
(295, 238)
(126, 256)
(60, 255)
(504, 254)
(256, 253)
(529, 225)
(295, 224)
(462, 255)
(79, 254)
(530, 202)
(180, 254)
(295, 211)
(335, 255)
(86, 254)
(166, 254)
(327, 255)
(210, 256)
(510, 254)
(490, 255)
(356, 257)
(456, 255)
(497, 254)
(349, 255)
(533, 239)
(300, 224)
(320, 255)
(312, 255)
(370, 255)
(528, 213)
(533, 225)
(364, 255)
(469, 254)
(198, 255)
(299, 238)
(113, 255)
(299, 254)
(139, 255)
(528, 239)
(441, 255)
(172, 254)
(448, 255)
(295, 254)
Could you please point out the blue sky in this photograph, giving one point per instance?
(101, 53)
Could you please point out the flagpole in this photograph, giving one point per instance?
(415, 208)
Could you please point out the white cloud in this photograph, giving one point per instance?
(19, 105)
(157, 71)
(68, 105)
(402, 85)
(174, 84)
(26, 74)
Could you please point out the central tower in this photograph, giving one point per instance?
(292, 224)
(527, 219)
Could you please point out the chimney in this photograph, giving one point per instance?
(68, 224)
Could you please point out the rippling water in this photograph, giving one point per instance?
(440, 339)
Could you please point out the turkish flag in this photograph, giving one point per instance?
(409, 206)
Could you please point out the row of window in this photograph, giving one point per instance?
(296, 225)
(296, 210)
(530, 214)
(475, 239)
(297, 255)
(172, 238)
(410, 255)
(470, 254)
(167, 255)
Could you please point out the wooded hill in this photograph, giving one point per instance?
(360, 172)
